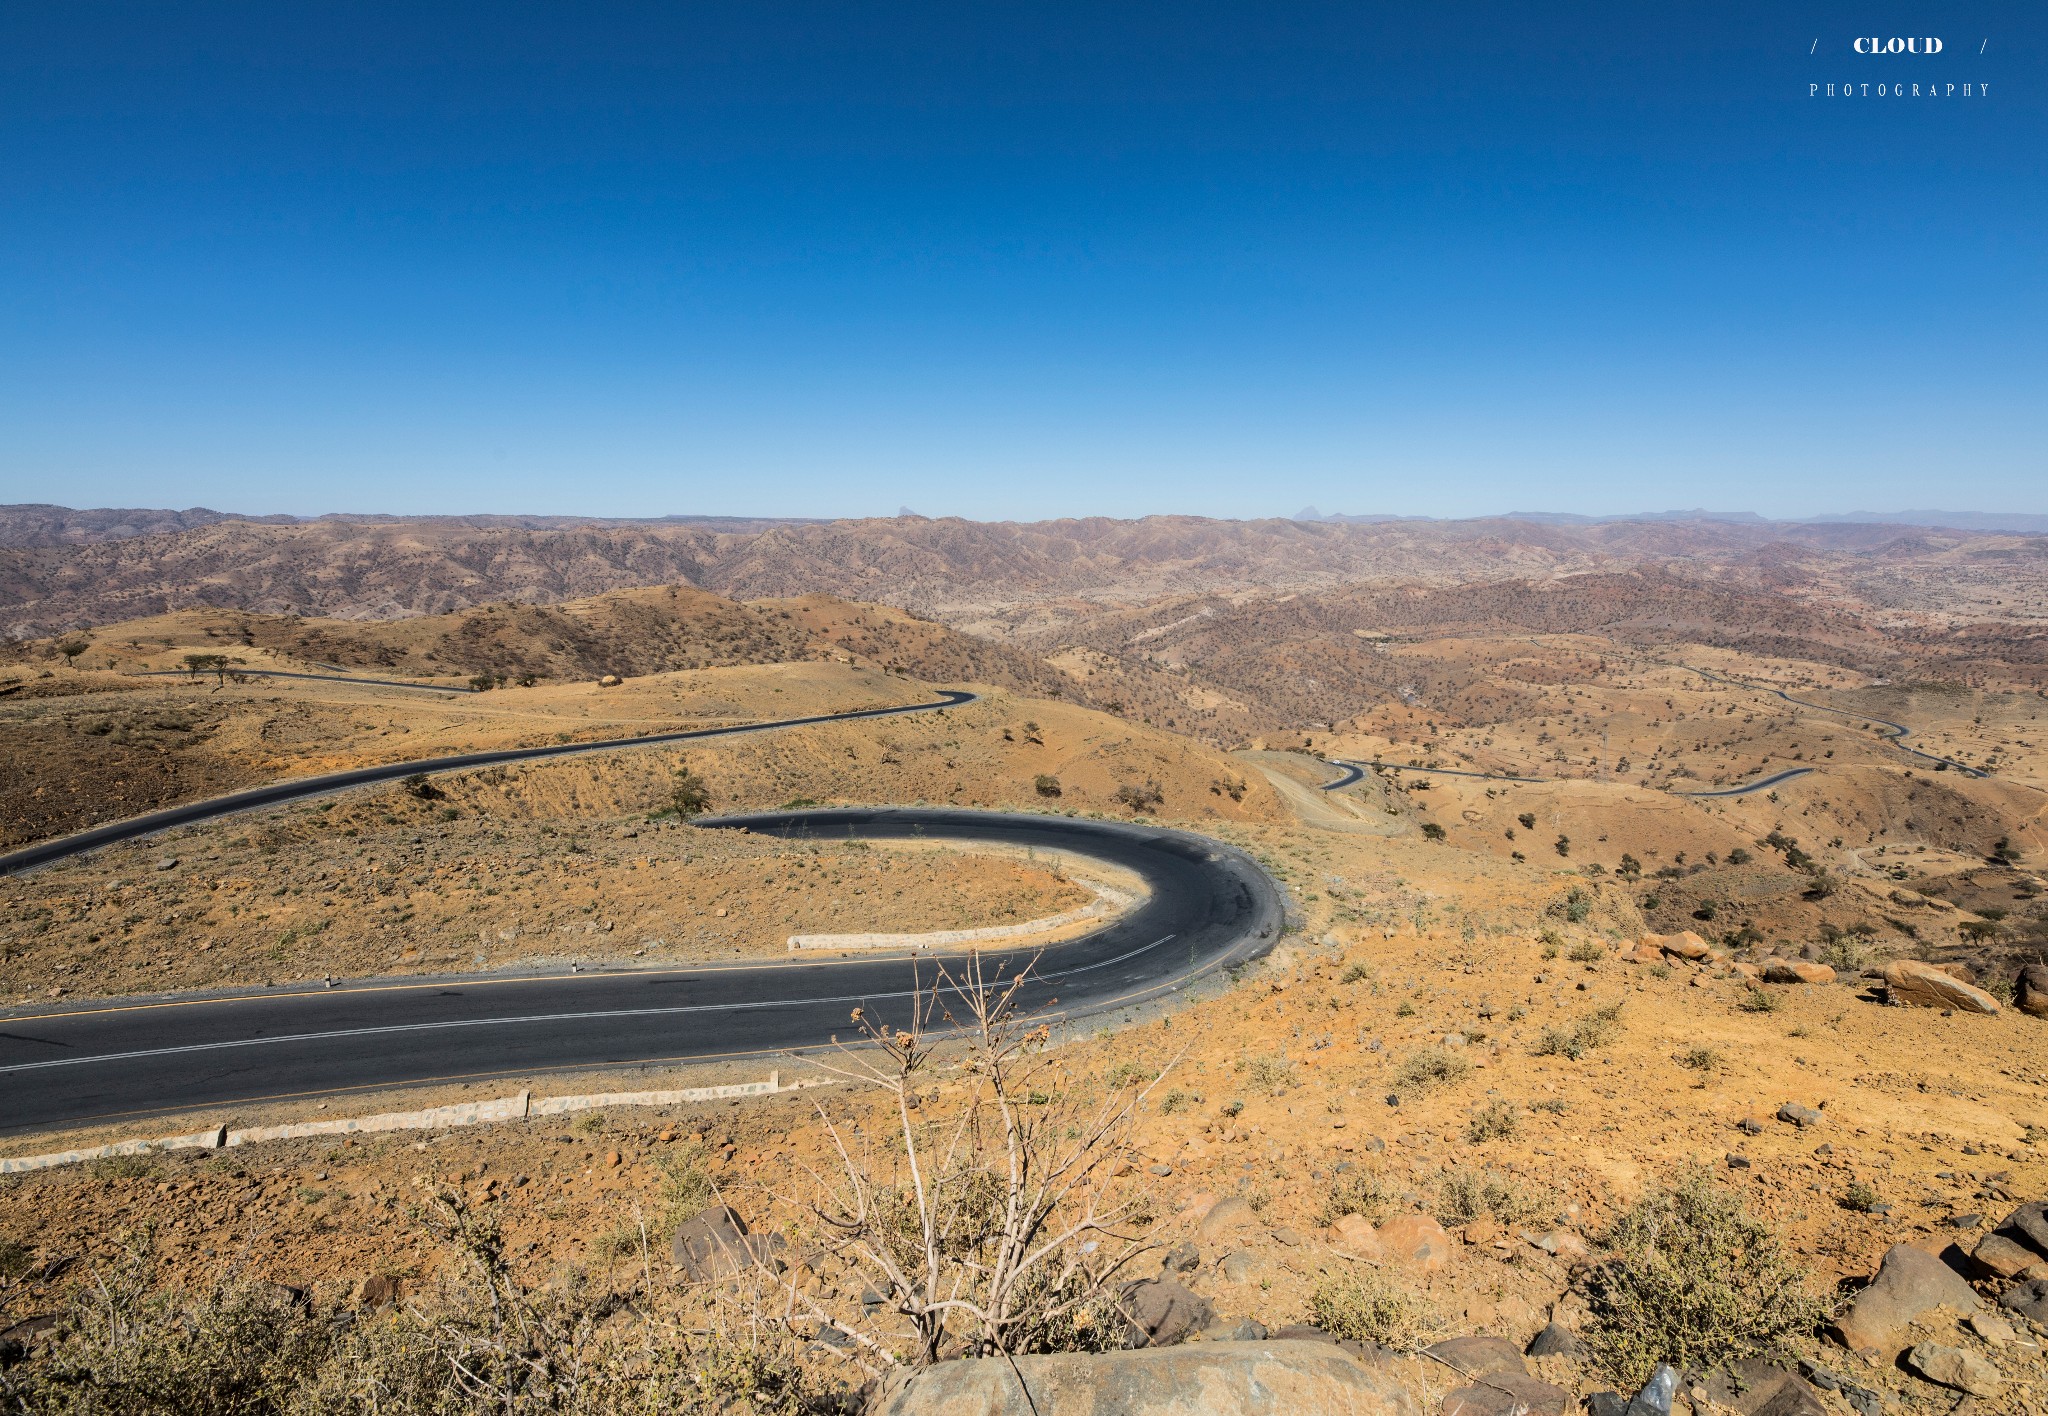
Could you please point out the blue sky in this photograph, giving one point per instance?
(1020, 261)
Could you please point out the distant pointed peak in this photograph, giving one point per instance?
(1307, 513)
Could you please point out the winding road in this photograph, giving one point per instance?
(300, 788)
(1209, 907)
(1894, 733)
(315, 678)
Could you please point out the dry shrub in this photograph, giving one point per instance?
(1362, 1305)
(1694, 1280)
(1497, 1121)
(1364, 1193)
(1429, 1069)
(1466, 1195)
(479, 1342)
(1596, 1029)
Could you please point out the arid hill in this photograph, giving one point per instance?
(963, 571)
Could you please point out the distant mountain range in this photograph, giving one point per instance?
(2013, 522)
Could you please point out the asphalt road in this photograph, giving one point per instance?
(316, 678)
(299, 788)
(1210, 907)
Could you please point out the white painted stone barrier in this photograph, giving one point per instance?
(1107, 901)
(468, 1113)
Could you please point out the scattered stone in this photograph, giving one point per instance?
(2030, 991)
(1993, 1329)
(1800, 1116)
(1563, 1244)
(1416, 1239)
(168, 863)
(1753, 1387)
(1223, 1216)
(716, 1245)
(1910, 983)
(1478, 1356)
(377, 1291)
(1163, 1311)
(1750, 1126)
(1684, 944)
(1953, 1367)
(1737, 1162)
(1355, 1236)
(1236, 1267)
(1909, 1283)
(1556, 1340)
(1289, 1237)
(2029, 1299)
(1797, 971)
(1162, 1171)
(1862, 1399)
(1273, 1378)
(1182, 1258)
(1508, 1394)
(2029, 1225)
(2001, 1257)
(1243, 1330)
(610, 681)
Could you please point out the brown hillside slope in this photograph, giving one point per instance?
(386, 568)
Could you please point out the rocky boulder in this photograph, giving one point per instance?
(1909, 1284)
(1953, 1367)
(1163, 1311)
(1684, 944)
(1796, 971)
(1910, 983)
(1278, 1378)
(716, 1245)
(1753, 1387)
(1416, 1240)
(2030, 990)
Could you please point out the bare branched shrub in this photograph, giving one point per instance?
(991, 1220)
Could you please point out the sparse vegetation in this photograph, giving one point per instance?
(688, 794)
(1693, 1281)
(1700, 1059)
(1466, 1195)
(1755, 999)
(1497, 1121)
(1587, 951)
(1861, 1196)
(1364, 1194)
(1046, 785)
(1367, 1306)
(1595, 1029)
(1430, 1070)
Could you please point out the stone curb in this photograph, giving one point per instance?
(1107, 901)
(470, 1113)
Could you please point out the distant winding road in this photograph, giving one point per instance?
(1209, 907)
(299, 788)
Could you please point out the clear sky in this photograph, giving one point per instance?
(1021, 260)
